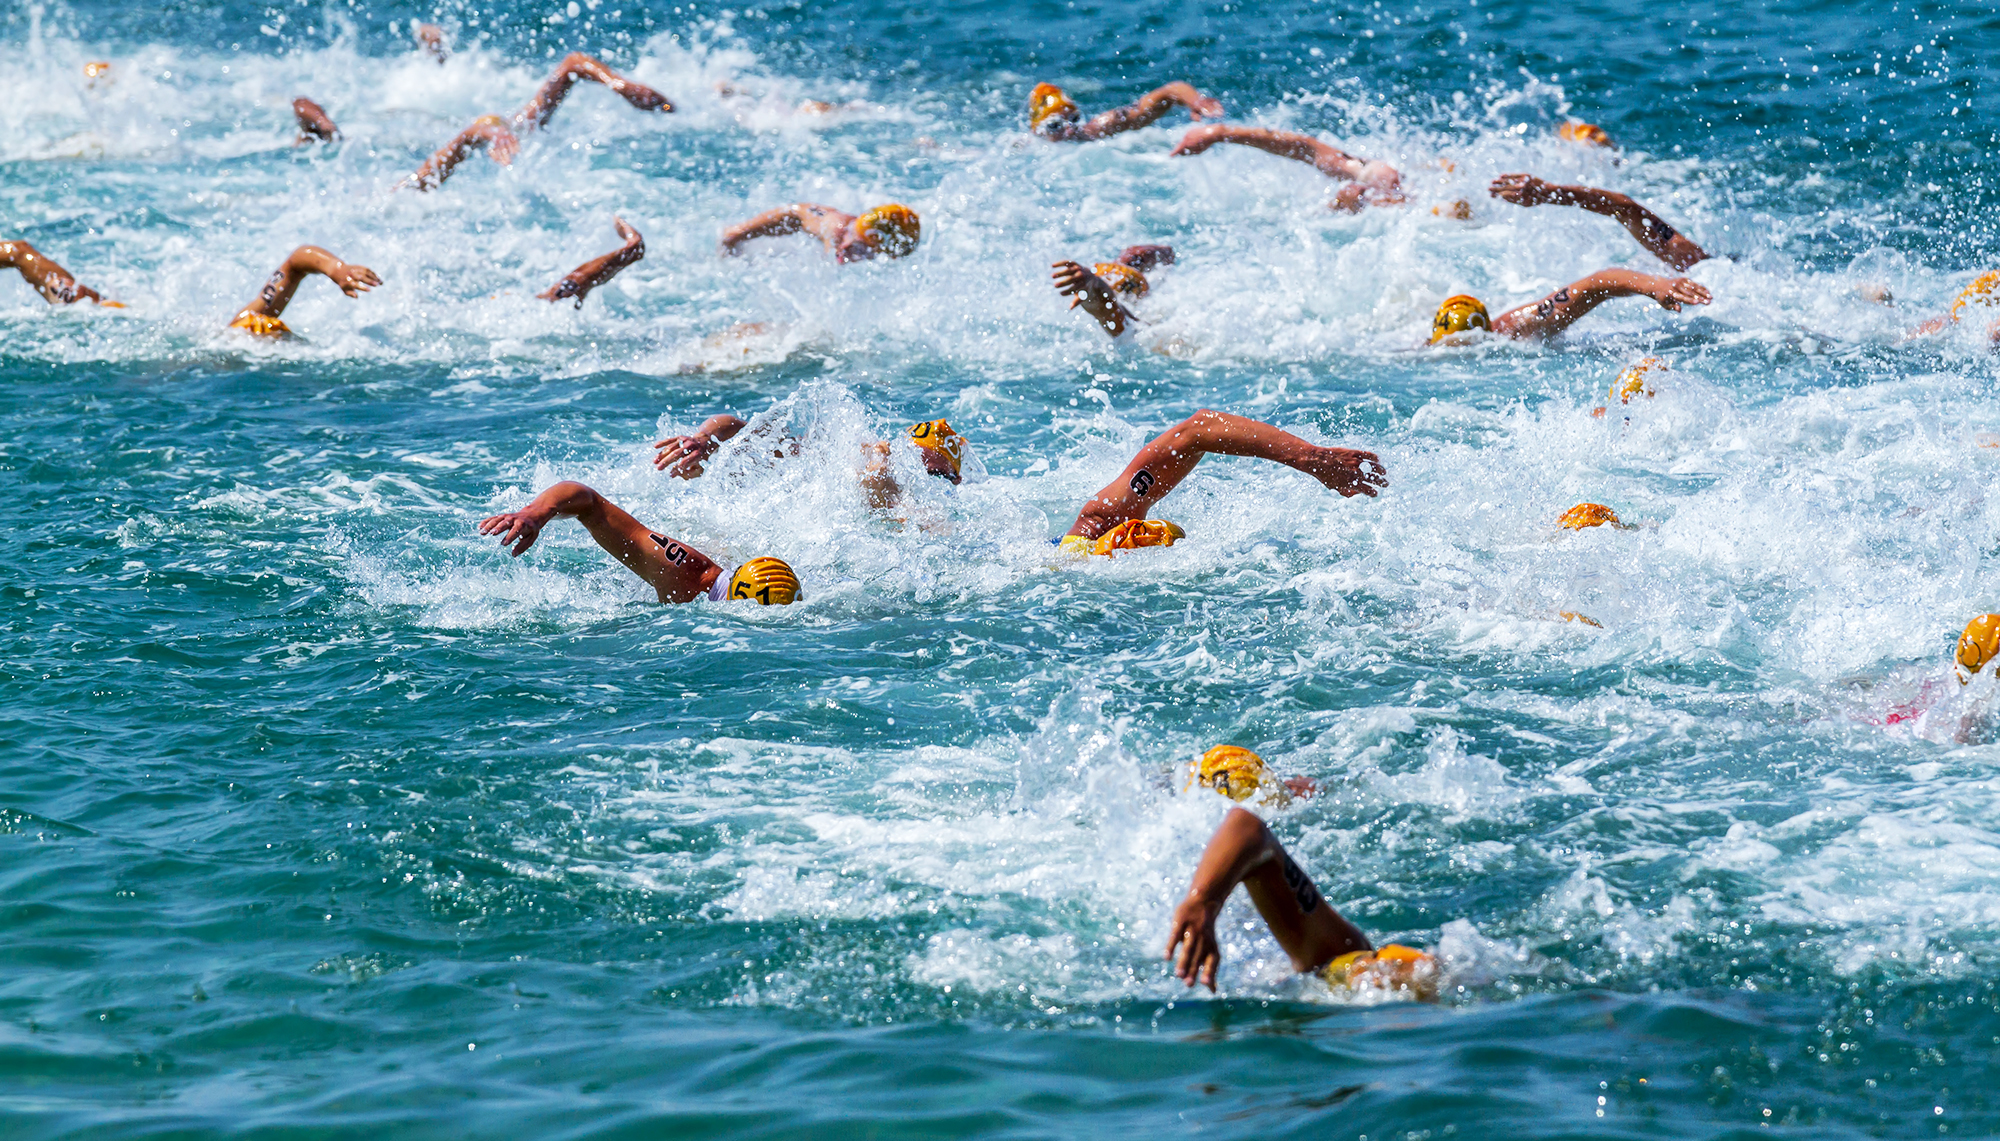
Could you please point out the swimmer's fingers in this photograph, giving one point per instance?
(1206, 107)
(513, 527)
(1689, 292)
(1511, 188)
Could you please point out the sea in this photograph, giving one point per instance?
(323, 817)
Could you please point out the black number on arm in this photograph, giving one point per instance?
(1301, 885)
(1143, 482)
(675, 553)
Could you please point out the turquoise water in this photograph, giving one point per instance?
(321, 817)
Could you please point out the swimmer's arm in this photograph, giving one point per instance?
(1647, 228)
(1163, 463)
(1243, 851)
(599, 270)
(573, 67)
(678, 572)
(822, 222)
(50, 280)
(1561, 309)
(1151, 108)
(1088, 292)
(1373, 181)
(432, 38)
(315, 125)
(353, 280)
(486, 131)
(686, 454)
(1143, 258)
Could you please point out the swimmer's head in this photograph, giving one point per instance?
(1588, 515)
(1047, 102)
(1233, 771)
(1122, 278)
(891, 229)
(260, 325)
(766, 580)
(96, 70)
(1391, 967)
(1589, 134)
(1135, 533)
(1978, 646)
(1458, 314)
(1984, 290)
(1637, 380)
(943, 449)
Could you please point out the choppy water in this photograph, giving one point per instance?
(319, 816)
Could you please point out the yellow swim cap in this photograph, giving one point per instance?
(1458, 314)
(1574, 616)
(96, 69)
(1982, 291)
(1977, 646)
(1392, 967)
(767, 580)
(1589, 134)
(1637, 380)
(937, 436)
(1046, 100)
(260, 325)
(891, 228)
(1122, 278)
(1588, 515)
(1233, 771)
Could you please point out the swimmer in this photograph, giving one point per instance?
(1315, 936)
(1369, 183)
(890, 230)
(1585, 134)
(1115, 518)
(1540, 320)
(431, 38)
(941, 449)
(499, 136)
(1240, 774)
(1096, 290)
(1647, 228)
(1052, 116)
(676, 572)
(1983, 293)
(260, 317)
(315, 126)
(599, 270)
(50, 280)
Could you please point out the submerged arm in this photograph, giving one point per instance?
(676, 571)
(1243, 851)
(353, 280)
(1647, 228)
(50, 280)
(599, 270)
(1561, 309)
(1162, 464)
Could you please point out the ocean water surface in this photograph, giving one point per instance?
(321, 817)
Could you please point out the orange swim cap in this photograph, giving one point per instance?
(1231, 770)
(1589, 134)
(1458, 314)
(892, 228)
(1122, 278)
(1589, 515)
(1977, 646)
(1637, 380)
(1135, 533)
(1393, 967)
(1048, 100)
(937, 436)
(1984, 290)
(260, 325)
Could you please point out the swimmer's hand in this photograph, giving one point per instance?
(1674, 292)
(353, 280)
(1199, 139)
(682, 456)
(1527, 190)
(1301, 786)
(1088, 291)
(595, 272)
(520, 528)
(1346, 470)
(1194, 934)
